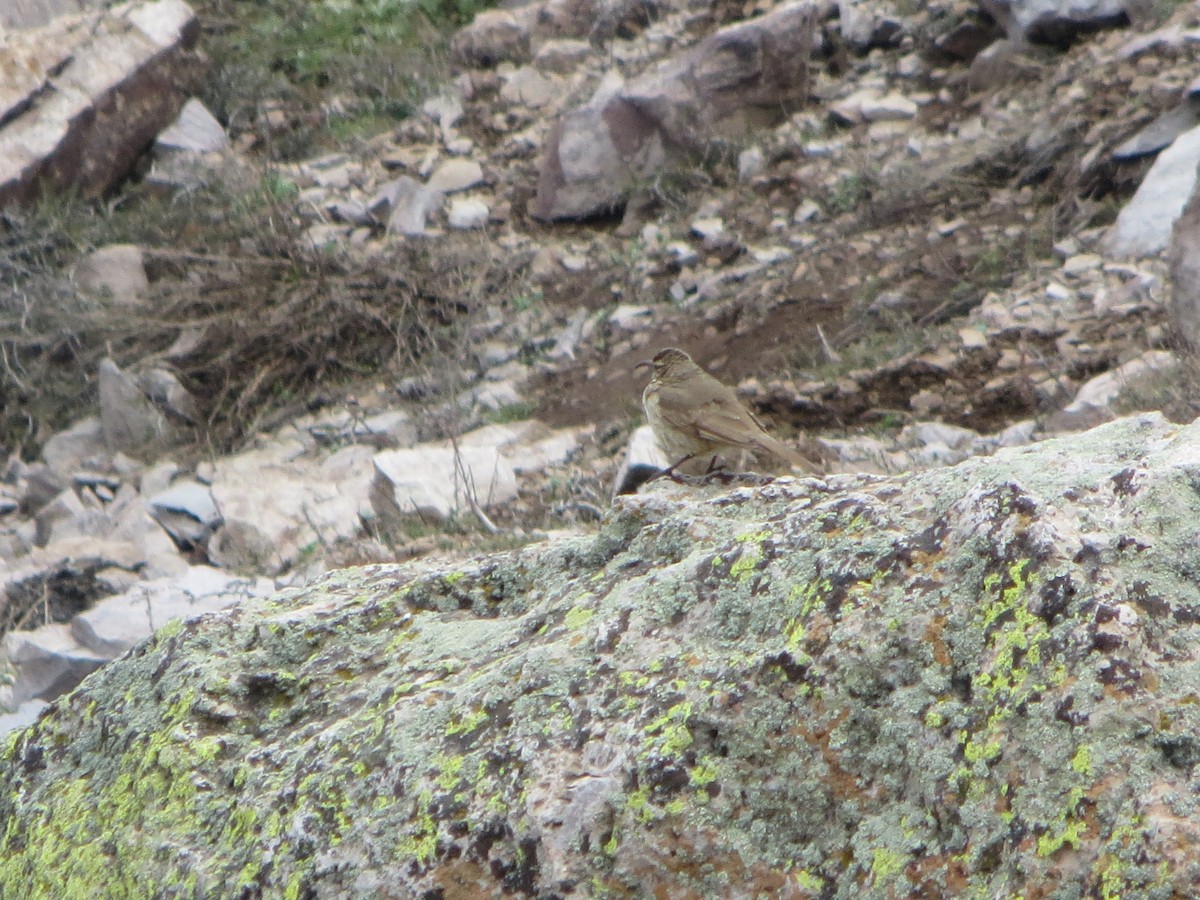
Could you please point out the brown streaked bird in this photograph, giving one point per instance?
(694, 415)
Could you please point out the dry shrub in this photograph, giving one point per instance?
(272, 333)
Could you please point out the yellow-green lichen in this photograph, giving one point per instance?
(577, 617)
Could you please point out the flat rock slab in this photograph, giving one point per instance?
(1143, 227)
(438, 483)
(115, 624)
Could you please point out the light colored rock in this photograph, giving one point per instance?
(569, 338)
(115, 624)
(81, 120)
(467, 213)
(407, 204)
(25, 715)
(561, 56)
(445, 109)
(1184, 261)
(867, 105)
(751, 163)
(1094, 401)
(23, 14)
(276, 500)
(725, 87)
(455, 175)
(1143, 226)
(1057, 21)
(187, 511)
(529, 87)
(643, 459)
(1160, 133)
(491, 395)
(923, 433)
(865, 25)
(164, 389)
(196, 130)
(435, 483)
(629, 318)
(494, 36)
(63, 516)
(530, 445)
(888, 108)
(131, 422)
(48, 661)
(117, 271)
(390, 428)
(80, 446)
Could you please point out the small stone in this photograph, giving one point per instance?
(117, 271)
(1081, 262)
(972, 338)
(561, 56)
(751, 163)
(455, 175)
(468, 213)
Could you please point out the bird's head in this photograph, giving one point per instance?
(666, 362)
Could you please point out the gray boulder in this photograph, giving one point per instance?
(1184, 261)
(976, 680)
(1143, 227)
(1058, 22)
(742, 77)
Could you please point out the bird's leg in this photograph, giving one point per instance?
(669, 471)
(712, 465)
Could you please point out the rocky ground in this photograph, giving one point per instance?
(894, 229)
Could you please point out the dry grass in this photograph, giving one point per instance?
(276, 327)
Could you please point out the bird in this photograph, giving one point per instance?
(692, 415)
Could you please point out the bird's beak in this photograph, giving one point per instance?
(648, 363)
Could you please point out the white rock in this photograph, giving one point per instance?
(187, 511)
(1093, 402)
(806, 211)
(708, 227)
(468, 212)
(115, 624)
(643, 460)
(529, 87)
(117, 271)
(275, 501)
(1080, 263)
(24, 716)
(196, 130)
(627, 317)
(408, 204)
(922, 433)
(751, 162)
(455, 175)
(436, 483)
(562, 55)
(48, 661)
(888, 108)
(1143, 227)
(445, 109)
(81, 445)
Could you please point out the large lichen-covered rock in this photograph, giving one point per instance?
(980, 681)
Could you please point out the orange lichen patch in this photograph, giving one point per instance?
(938, 875)
(841, 783)
(462, 879)
(933, 634)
